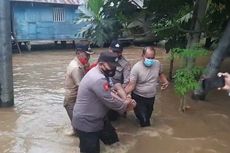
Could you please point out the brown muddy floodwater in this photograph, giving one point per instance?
(38, 122)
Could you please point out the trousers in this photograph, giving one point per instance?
(143, 109)
(89, 141)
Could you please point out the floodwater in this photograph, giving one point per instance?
(38, 121)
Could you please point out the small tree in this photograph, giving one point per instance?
(100, 28)
(186, 78)
(106, 20)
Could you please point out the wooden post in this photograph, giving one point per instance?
(6, 74)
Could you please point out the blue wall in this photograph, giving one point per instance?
(34, 21)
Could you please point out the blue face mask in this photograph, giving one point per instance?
(148, 62)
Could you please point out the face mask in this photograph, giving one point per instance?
(148, 62)
(83, 60)
(110, 73)
(120, 56)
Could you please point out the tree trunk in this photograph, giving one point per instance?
(182, 106)
(194, 38)
(171, 67)
(198, 14)
(208, 42)
(216, 59)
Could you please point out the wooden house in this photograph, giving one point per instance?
(46, 20)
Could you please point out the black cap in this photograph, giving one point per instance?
(108, 57)
(116, 46)
(84, 48)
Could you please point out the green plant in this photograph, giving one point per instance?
(99, 28)
(111, 19)
(186, 78)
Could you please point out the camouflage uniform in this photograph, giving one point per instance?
(122, 72)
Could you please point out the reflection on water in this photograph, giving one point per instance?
(37, 122)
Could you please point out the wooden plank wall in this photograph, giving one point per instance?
(36, 21)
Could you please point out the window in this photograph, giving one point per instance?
(58, 14)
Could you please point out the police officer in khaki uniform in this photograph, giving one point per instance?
(74, 74)
(121, 77)
(94, 100)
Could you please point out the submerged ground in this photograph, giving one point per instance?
(38, 122)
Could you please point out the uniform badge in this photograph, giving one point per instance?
(106, 86)
(117, 45)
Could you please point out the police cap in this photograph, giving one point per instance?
(84, 48)
(116, 46)
(108, 57)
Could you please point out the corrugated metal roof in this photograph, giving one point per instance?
(71, 2)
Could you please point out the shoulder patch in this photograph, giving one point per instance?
(106, 86)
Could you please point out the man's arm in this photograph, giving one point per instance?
(130, 87)
(102, 90)
(120, 91)
(164, 81)
(132, 80)
(131, 103)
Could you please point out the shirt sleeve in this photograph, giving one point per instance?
(134, 74)
(77, 75)
(102, 90)
(126, 73)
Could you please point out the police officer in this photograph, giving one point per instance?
(94, 99)
(123, 69)
(121, 77)
(74, 74)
